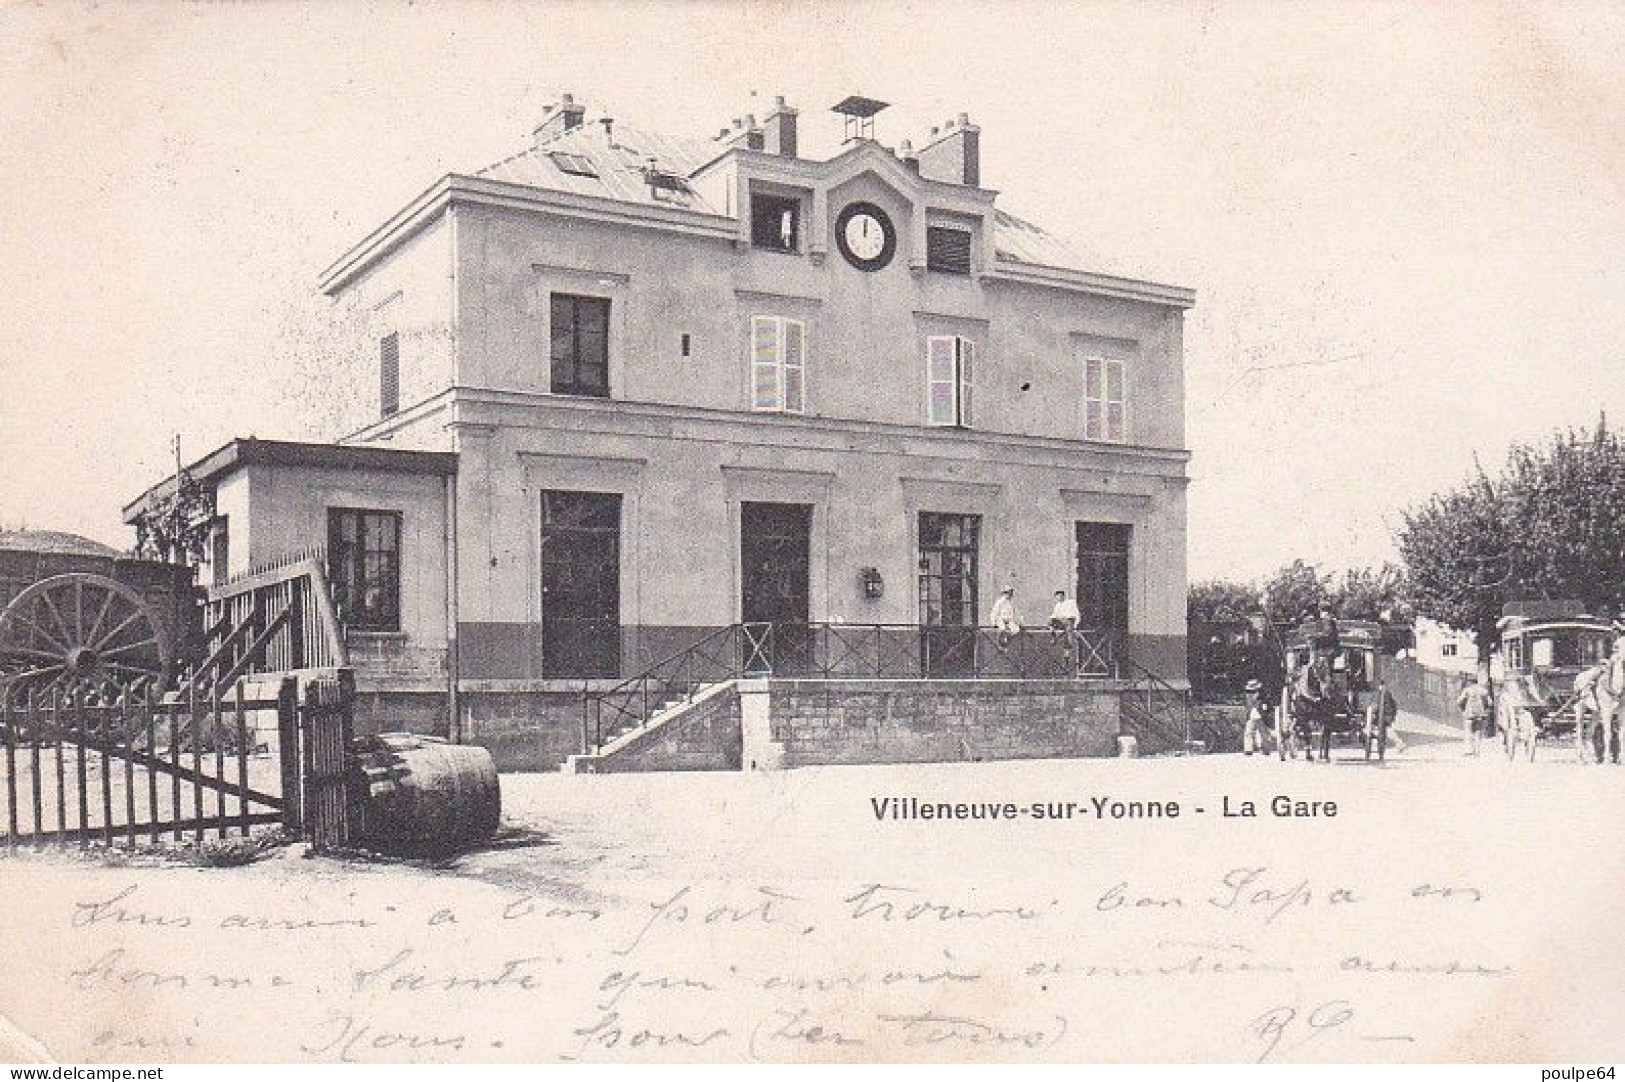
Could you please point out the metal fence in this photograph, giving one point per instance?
(829, 651)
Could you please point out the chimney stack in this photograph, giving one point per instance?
(910, 160)
(954, 153)
(745, 132)
(565, 116)
(779, 130)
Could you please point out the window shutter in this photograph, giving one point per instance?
(1093, 399)
(795, 366)
(389, 375)
(1114, 400)
(940, 379)
(765, 370)
(967, 379)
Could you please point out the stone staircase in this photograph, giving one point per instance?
(630, 745)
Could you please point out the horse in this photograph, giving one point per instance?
(1603, 694)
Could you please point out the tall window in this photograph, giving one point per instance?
(389, 374)
(778, 364)
(949, 547)
(1103, 399)
(950, 378)
(364, 567)
(775, 222)
(580, 346)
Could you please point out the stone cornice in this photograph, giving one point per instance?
(615, 416)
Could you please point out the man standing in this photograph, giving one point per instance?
(1474, 704)
(1259, 721)
(1611, 697)
(1003, 617)
(1063, 620)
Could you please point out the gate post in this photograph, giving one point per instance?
(287, 739)
(326, 719)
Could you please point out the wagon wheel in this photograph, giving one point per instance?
(84, 630)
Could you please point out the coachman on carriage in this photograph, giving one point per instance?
(1333, 690)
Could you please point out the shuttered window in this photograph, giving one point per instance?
(947, 250)
(778, 364)
(1103, 399)
(389, 375)
(950, 363)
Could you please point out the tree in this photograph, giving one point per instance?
(1552, 525)
(1371, 593)
(1296, 593)
(1217, 600)
(174, 526)
(1566, 504)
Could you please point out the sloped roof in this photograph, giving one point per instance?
(1023, 242)
(54, 542)
(621, 162)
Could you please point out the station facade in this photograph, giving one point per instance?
(622, 388)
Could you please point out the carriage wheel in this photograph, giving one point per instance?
(83, 630)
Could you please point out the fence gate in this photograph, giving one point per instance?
(131, 768)
(126, 767)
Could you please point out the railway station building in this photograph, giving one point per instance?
(623, 388)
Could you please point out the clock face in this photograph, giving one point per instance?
(865, 236)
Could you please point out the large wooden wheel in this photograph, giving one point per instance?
(81, 630)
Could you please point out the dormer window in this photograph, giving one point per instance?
(666, 186)
(775, 222)
(575, 164)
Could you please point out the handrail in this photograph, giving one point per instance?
(278, 617)
(726, 653)
(1175, 726)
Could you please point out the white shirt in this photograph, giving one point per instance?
(1004, 613)
(1066, 609)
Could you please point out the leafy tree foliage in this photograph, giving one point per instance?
(1296, 593)
(1217, 600)
(175, 525)
(1371, 593)
(1552, 525)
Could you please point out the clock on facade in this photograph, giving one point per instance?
(865, 236)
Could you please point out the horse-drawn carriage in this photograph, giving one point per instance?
(1545, 645)
(1333, 690)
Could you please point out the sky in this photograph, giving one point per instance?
(1405, 223)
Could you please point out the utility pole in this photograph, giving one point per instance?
(179, 555)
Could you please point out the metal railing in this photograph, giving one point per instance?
(828, 651)
(725, 654)
(1155, 711)
(930, 651)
